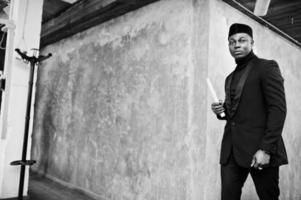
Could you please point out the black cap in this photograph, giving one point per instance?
(240, 28)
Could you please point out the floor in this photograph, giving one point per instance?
(41, 188)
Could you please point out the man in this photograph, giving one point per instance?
(255, 110)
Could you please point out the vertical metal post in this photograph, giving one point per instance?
(26, 130)
(23, 162)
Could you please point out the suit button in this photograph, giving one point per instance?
(233, 123)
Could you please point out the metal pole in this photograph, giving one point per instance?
(26, 130)
(23, 162)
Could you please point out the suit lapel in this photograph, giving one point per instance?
(233, 105)
(227, 90)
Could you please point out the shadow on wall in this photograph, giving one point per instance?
(46, 138)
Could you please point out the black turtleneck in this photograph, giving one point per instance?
(241, 64)
(244, 61)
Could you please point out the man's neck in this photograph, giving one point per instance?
(246, 59)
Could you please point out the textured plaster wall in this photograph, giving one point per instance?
(121, 108)
(268, 45)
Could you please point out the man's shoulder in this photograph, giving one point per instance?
(229, 75)
(265, 65)
(262, 61)
(267, 68)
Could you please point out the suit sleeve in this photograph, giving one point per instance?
(274, 96)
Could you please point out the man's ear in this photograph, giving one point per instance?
(252, 41)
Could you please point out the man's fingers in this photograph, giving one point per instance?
(253, 162)
(215, 104)
(256, 165)
(260, 159)
(220, 110)
(217, 108)
(259, 166)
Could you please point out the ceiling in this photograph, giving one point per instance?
(52, 8)
(286, 15)
(283, 16)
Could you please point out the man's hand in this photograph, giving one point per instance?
(260, 158)
(217, 107)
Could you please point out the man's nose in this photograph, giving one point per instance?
(237, 45)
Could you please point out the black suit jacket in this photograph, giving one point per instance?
(256, 116)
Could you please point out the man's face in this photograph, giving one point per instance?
(240, 45)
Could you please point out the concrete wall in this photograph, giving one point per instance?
(122, 109)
